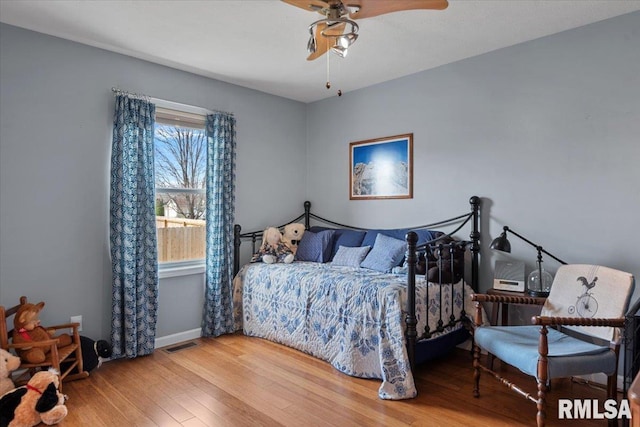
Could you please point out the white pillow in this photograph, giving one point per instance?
(350, 257)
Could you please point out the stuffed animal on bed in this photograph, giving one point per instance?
(292, 234)
(273, 249)
(37, 402)
(441, 267)
(27, 329)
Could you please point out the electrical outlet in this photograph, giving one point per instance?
(77, 319)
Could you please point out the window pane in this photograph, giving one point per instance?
(180, 173)
(179, 238)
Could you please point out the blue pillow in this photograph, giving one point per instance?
(343, 237)
(348, 238)
(424, 235)
(315, 247)
(387, 252)
(350, 256)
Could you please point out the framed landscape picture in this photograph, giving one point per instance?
(381, 168)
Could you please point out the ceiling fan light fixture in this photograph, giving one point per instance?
(311, 44)
(343, 33)
(347, 40)
(339, 50)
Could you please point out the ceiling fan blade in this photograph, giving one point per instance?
(323, 44)
(369, 8)
(311, 5)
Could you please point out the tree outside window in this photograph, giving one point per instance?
(180, 175)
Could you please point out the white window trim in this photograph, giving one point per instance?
(180, 107)
(181, 190)
(178, 269)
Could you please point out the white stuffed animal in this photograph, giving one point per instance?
(8, 363)
(273, 249)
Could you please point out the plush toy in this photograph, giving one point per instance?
(27, 329)
(8, 363)
(93, 353)
(421, 264)
(292, 234)
(37, 402)
(441, 268)
(272, 248)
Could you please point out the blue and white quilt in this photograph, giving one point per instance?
(351, 317)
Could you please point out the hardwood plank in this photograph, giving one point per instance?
(242, 381)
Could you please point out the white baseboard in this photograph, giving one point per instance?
(601, 379)
(176, 338)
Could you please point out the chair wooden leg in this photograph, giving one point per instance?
(476, 371)
(541, 416)
(612, 393)
(543, 377)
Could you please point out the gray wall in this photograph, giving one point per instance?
(559, 115)
(56, 112)
(547, 132)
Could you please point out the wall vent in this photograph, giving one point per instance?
(175, 348)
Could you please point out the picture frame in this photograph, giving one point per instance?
(381, 168)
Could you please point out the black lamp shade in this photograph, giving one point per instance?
(501, 243)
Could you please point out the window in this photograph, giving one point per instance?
(180, 146)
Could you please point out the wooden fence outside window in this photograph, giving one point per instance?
(180, 239)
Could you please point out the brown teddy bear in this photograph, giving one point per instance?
(440, 268)
(37, 402)
(8, 363)
(27, 329)
(292, 234)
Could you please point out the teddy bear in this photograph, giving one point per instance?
(8, 363)
(292, 234)
(27, 329)
(40, 401)
(440, 268)
(273, 249)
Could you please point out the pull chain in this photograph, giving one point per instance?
(328, 84)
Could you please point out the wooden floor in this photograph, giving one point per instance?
(235, 380)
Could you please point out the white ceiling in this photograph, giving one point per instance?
(261, 44)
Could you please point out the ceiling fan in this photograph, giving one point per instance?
(338, 30)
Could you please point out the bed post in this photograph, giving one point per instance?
(236, 249)
(475, 242)
(307, 210)
(410, 320)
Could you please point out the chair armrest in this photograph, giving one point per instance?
(44, 343)
(64, 326)
(507, 299)
(617, 322)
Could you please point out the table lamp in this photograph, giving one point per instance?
(539, 281)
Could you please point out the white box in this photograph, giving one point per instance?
(509, 276)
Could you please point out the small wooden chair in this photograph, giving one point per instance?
(69, 356)
(587, 305)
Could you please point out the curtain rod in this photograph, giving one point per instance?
(117, 92)
(147, 98)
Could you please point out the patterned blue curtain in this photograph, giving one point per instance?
(217, 318)
(134, 253)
